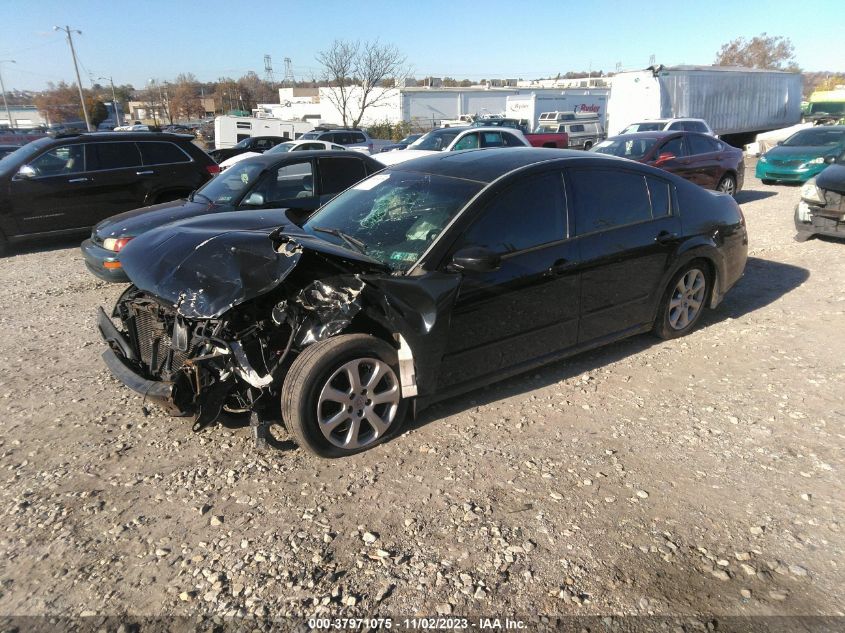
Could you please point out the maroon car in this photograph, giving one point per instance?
(702, 159)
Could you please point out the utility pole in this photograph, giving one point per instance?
(68, 31)
(113, 100)
(3, 89)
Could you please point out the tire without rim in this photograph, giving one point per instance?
(342, 396)
(684, 301)
(727, 185)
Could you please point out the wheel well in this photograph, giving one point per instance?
(362, 324)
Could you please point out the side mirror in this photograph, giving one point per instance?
(665, 157)
(830, 159)
(475, 259)
(26, 172)
(780, 142)
(254, 200)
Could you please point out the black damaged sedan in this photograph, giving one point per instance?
(430, 278)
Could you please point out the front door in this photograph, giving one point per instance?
(528, 308)
(55, 195)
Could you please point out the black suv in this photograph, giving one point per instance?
(67, 183)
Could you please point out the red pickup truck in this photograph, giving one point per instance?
(547, 139)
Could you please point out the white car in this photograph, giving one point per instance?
(452, 139)
(670, 125)
(287, 146)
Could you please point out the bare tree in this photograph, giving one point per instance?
(356, 73)
(762, 51)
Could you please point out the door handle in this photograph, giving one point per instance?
(664, 237)
(144, 173)
(561, 266)
(79, 180)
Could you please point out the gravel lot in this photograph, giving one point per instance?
(696, 476)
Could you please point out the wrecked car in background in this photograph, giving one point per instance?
(821, 209)
(430, 278)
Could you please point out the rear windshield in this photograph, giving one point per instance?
(435, 140)
(649, 126)
(633, 148)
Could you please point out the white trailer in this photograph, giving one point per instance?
(230, 130)
(584, 100)
(737, 102)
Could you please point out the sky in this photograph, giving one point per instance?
(158, 39)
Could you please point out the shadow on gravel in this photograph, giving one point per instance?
(45, 246)
(747, 195)
(764, 282)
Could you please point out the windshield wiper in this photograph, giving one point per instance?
(357, 244)
(197, 193)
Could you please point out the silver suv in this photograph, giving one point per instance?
(352, 138)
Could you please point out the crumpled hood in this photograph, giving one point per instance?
(205, 266)
(832, 179)
(137, 221)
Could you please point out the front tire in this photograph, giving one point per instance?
(768, 181)
(684, 301)
(343, 395)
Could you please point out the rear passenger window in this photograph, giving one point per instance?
(337, 174)
(661, 199)
(357, 137)
(102, 156)
(607, 199)
(491, 139)
(527, 214)
(162, 153)
(675, 147)
(702, 144)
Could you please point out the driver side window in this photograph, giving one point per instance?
(60, 161)
(288, 182)
(529, 213)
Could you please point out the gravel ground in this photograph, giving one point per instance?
(695, 476)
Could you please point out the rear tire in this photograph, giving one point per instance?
(684, 301)
(342, 396)
(4, 245)
(588, 145)
(727, 185)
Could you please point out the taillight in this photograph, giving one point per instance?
(116, 243)
(371, 148)
(213, 169)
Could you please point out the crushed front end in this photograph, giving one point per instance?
(194, 367)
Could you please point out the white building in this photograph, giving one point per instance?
(422, 106)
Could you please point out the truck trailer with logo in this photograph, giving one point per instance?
(584, 100)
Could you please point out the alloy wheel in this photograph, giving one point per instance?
(687, 299)
(358, 403)
(727, 186)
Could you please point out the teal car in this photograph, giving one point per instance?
(802, 155)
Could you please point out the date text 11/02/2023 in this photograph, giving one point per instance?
(417, 623)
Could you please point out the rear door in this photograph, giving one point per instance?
(627, 231)
(115, 183)
(705, 157)
(56, 197)
(168, 170)
(528, 308)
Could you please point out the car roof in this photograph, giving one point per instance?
(486, 165)
(120, 136)
(658, 134)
